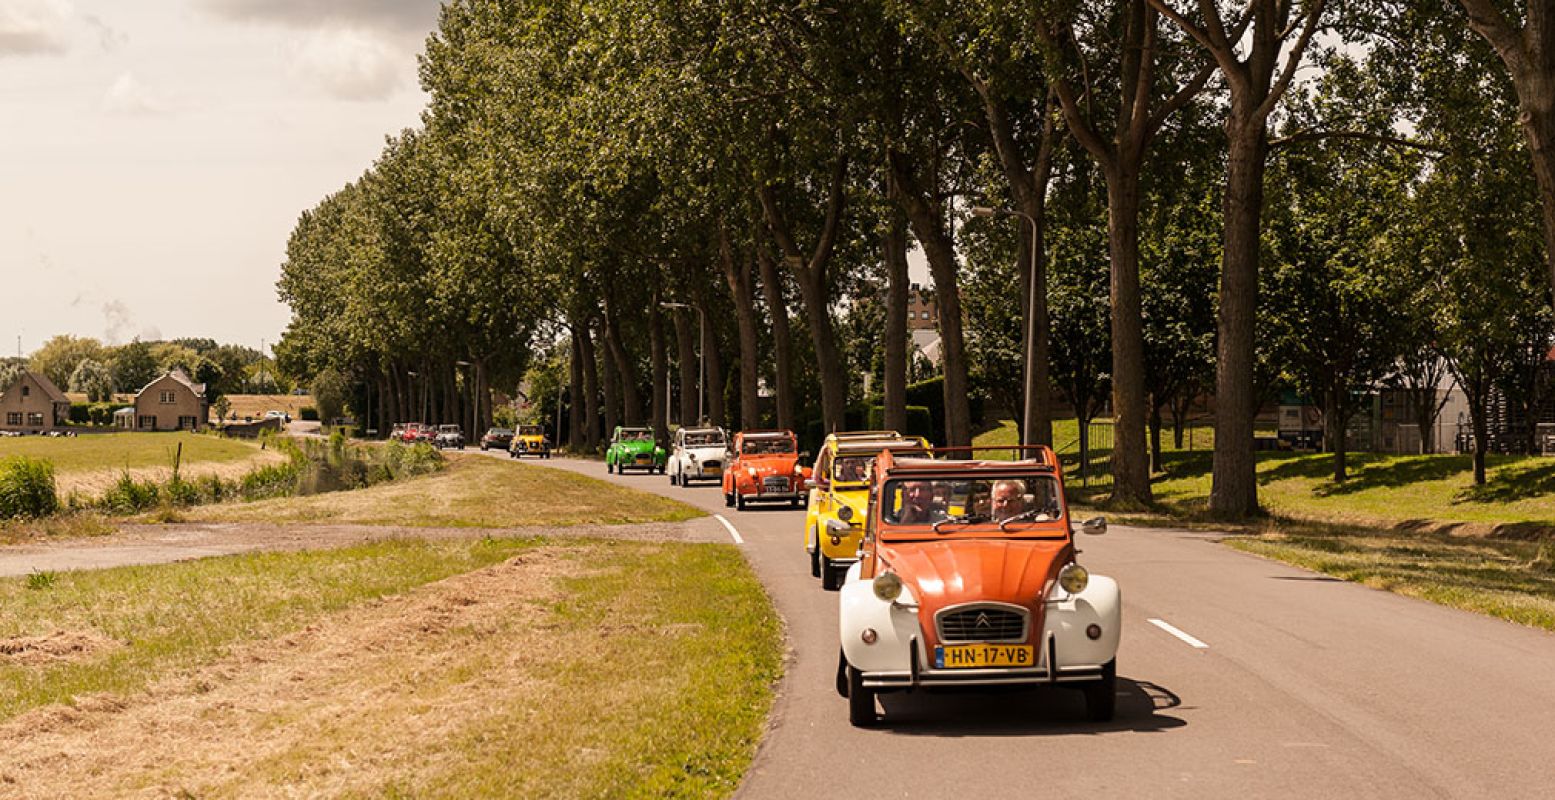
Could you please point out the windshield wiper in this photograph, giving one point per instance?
(964, 519)
(1021, 517)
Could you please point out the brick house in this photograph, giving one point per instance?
(172, 402)
(32, 403)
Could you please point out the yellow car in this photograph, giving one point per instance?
(839, 498)
(530, 440)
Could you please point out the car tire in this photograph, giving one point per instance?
(861, 701)
(1101, 697)
(609, 468)
(728, 499)
(673, 476)
(842, 673)
(831, 577)
(739, 501)
(796, 503)
(815, 559)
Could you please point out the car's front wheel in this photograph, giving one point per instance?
(861, 701)
(831, 577)
(728, 499)
(739, 501)
(815, 559)
(1101, 697)
(609, 468)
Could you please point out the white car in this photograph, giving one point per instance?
(698, 454)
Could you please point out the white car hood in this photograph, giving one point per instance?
(715, 453)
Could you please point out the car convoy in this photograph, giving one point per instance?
(954, 571)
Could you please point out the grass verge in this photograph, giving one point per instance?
(561, 668)
(112, 453)
(474, 491)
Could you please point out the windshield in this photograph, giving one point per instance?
(713, 439)
(637, 436)
(758, 447)
(531, 430)
(1008, 502)
(499, 432)
(856, 468)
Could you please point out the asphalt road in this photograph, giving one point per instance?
(1283, 683)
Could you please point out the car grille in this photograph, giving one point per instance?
(982, 624)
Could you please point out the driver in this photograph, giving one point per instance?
(919, 505)
(1009, 499)
(850, 470)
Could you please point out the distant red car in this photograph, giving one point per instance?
(764, 467)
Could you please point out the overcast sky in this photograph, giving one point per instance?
(155, 154)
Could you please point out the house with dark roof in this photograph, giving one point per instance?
(172, 402)
(33, 404)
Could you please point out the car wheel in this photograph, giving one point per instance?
(796, 502)
(674, 479)
(1101, 697)
(842, 673)
(483, 448)
(815, 559)
(728, 499)
(861, 701)
(831, 577)
(609, 468)
(739, 501)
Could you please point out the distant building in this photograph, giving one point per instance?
(922, 311)
(33, 404)
(172, 402)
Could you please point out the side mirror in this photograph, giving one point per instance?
(1095, 526)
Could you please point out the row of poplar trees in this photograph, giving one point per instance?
(1217, 197)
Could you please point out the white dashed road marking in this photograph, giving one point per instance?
(732, 531)
(1166, 626)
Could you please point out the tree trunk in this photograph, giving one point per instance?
(1234, 485)
(659, 358)
(777, 308)
(737, 274)
(1477, 413)
(928, 226)
(1155, 435)
(686, 354)
(612, 386)
(1181, 402)
(1130, 462)
(576, 438)
(591, 412)
(624, 367)
(715, 376)
(895, 399)
(1335, 415)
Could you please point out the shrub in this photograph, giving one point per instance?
(80, 413)
(308, 413)
(919, 422)
(180, 492)
(27, 488)
(129, 496)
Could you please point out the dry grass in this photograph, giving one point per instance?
(474, 491)
(90, 463)
(255, 405)
(506, 681)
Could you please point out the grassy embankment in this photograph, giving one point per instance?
(474, 491)
(494, 667)
(1415, 525)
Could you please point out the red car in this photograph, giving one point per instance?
(764, 466)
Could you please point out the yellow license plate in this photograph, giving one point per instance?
(709, 470)
(967, 656)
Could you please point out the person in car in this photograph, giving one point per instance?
(919, 505)
(1009, 499)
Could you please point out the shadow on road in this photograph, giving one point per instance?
(1044, 711)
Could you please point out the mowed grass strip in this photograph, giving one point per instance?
(474, 491)
(95, 452)
(1508, 579)
(572, 668)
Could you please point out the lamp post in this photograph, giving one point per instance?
(468, 390)
(413, 374)
(701, 351)
(1030, 393)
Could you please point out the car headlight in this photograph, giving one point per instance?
(1073, 578)
(888, 586)
(751, 470)
(845, 513)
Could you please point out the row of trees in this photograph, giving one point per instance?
(581, 165)
(83, 364)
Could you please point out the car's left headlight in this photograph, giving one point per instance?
(845, 513)
(1073, 578)
(888, 586)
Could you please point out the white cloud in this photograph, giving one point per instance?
(129, 96)
(403, 16)
(34, 27)
(349, 64)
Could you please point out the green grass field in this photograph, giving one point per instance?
(96, 452)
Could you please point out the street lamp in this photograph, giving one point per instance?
(470, 391)
(412, 373)
(701, 354)
(1030, 415)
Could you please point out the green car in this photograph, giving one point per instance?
(634, 448)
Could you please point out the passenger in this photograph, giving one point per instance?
(850, 470)
(1009, 499)
(919, 506)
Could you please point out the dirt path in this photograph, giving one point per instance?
(162, 544)
(376, 697)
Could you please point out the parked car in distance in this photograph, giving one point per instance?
(968, 578)
(697, 454)
(281, 415)
(634, 448)
(839, 492)
(499, 438)
(413, 432)
(530, 440)
(764, 466)
(448, 436)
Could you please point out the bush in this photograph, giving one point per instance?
(308, 413)
(129, 496)
(80, 413)
(919, 422)
(102, 413)
(27, 488)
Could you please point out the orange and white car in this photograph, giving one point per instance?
(764, 466)
(968, 577)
